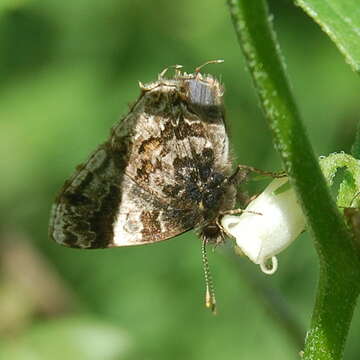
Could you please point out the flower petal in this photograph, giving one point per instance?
(268, 225)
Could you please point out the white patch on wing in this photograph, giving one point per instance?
(127, 226)
(58, 223)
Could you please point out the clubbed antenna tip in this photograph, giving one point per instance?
(197, 70)
(210, 301)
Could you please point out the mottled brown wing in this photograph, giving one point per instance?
(96, 209)
(101, 206)
(135, 188)
(143, 218)
(178, 144)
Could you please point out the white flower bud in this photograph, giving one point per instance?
(268, 225)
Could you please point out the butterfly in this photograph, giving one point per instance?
(165, 169)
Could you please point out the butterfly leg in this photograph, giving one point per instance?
(251, 198)
(238, 211)
(242, 171)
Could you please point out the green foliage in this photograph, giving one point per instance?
(338, 256)
(350, 184)
(340, 20)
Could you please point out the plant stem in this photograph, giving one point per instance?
(339, 282)
(355, 150)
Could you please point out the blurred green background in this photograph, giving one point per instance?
(68, 70)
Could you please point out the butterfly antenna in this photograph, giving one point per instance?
(198, 69)
(210, 301)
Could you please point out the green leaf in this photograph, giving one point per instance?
(283, 188)
(350, 185)
(340, 19)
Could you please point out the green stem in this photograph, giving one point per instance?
(339, 265)
(355, 150)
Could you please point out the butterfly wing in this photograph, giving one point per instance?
(103, 205)
(134, 189)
